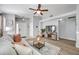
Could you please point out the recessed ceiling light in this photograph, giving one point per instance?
(23, 19)
(60, 19)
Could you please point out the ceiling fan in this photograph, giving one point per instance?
(38, 10)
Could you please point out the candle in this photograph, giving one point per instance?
(38, 39)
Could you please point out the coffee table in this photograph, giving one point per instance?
(48, 49)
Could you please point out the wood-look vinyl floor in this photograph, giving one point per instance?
(68, 46)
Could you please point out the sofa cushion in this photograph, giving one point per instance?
(7, 37)
(22, 50)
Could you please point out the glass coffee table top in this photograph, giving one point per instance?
(48, 49)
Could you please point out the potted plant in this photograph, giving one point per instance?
(43, 32)
(1, 34)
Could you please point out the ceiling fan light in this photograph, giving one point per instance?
(61, 19)
(38, 12)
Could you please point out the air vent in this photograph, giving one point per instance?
(51, 16)
(71, 17)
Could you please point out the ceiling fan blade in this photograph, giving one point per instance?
(41, 13)
(35, 12)
(39, 6)
(45, 10)
(32, 9)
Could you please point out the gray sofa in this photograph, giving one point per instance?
(6, 47)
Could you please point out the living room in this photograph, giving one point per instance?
(56, 27)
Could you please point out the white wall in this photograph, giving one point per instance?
(23, 27)
(9, 20)
(72, 27)
(36, 20)
(77, 27)
(34, 25)
(31, 27)
(1, 23)
(51, 22)
(67, 29)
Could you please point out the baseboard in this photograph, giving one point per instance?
(77, 45)
(67, 38)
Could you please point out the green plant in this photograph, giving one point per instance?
(1, 34)
(43, 30)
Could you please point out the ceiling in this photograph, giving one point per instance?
(23, 11)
